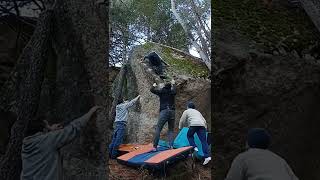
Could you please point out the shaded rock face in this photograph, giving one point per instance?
(7, 119)
(279, 93)
(76, 79)
(12, 43)
(312, 8)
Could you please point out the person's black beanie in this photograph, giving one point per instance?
(258, 138)
(191, 105)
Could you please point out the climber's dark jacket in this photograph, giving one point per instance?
(166, 95)
(154, 59)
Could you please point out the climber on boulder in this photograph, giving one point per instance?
(41, 147)
(120, 124)
(156, 63)
(167, 110)
(197, 124)
(258, 162)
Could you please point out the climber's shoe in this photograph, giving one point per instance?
(154, 149)
(206, 160)
(196, 149)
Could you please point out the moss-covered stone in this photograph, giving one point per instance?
(178, 62)
(184, 64)
(290, 28)
(147, 46)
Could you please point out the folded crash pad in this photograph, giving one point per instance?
(142, 155)
(147, 158)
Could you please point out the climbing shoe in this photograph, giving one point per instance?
(206, 160)
(196, 149)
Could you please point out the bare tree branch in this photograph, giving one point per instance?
(203, 56)
(41, 7)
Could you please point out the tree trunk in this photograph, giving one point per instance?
(203, 56)
(199, 20)
(8, 96)
(30, 77)
(81, 47)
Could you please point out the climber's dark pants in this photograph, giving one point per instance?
(201, 132)
(117, 138)
(166, 115)
(158, 69)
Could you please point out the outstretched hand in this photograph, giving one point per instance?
(95, 108)
(53, 127)
(154, 85)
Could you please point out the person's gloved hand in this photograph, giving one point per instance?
(172, 81)
(154, 85)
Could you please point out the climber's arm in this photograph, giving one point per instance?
(132, 102)
(182, 119)
(205, 122)
(173, 87)
(61, 137)
(154, 89)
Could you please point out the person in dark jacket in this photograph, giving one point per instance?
(155, 62)
(258, 162)
(41, 158)
(167, 110)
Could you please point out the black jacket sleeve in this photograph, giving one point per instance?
(155, 90)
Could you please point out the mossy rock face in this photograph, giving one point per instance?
(271, 28)
(179, 62)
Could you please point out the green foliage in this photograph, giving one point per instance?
(157, 19)
(266, 26)
(150, 20)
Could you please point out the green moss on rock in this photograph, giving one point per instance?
(269, 27)
(179, 63)
(184, 64)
